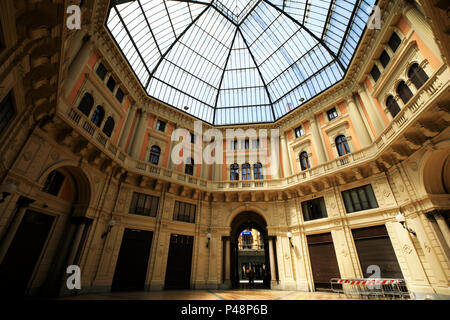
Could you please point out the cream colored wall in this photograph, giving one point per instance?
(27, 159)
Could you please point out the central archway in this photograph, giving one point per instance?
(243, 221)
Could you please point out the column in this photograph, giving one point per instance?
(75, 243)
(285, 156)
(227, 262)
(127, 127)
(443, 227)
(77, 65)
(139, 134)
(22, 204)
(273, 277)
(317, 141)
(420, 25)
(358, 123)
(372, 110)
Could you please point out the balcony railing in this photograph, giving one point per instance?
(408, 114)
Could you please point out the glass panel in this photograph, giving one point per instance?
(236, 61)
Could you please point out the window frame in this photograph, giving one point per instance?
(332, 112)
(144, 205)
(184, 212)
(354, 196)
(7, 111)
(299, 132)
(317, 203)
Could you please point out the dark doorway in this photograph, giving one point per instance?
(132, 263)
(178, 272)
(374, 247)
(26, 247)
(248, 221)
(324, 263)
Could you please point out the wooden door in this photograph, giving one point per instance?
(374, 248)
(178, 272)
(26, 247)
(132, 263)
(323, 260)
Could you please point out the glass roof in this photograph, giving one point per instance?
(234, 61)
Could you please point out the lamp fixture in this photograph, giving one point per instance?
(289, 235)
(111, 223)
(7, 190)
(402, 220)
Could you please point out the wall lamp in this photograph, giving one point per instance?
(402, 220)
(6, 190)
(111, 224)
(209, 239)
(289, 235)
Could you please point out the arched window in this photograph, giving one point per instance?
(246, 174)
(417, 75)
(97, 116)
(392, 106)
(234, 172)
(257, 169)
(189, 168)
(109, 126)
(404, 92)
(86, 104)
(53, 183)
(304, 161)
(155, 152)
(342, 146)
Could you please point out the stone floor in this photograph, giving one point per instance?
(213, 295)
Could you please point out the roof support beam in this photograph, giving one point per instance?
(223, 75)
(260, 74)
(310, 33)
(175, 42)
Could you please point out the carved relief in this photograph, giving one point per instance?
(406, 249)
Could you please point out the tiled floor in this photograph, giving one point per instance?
(213, 295)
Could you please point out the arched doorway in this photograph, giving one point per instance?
(249, 221)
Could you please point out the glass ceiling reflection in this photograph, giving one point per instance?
(235, 61)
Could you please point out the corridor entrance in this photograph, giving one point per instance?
(249, 244)
(179, 262)
(23, 254)
(132, 263)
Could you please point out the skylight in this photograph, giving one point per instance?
(236, 62)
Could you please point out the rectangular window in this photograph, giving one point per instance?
(2, 39)
(144, 205)
(384, 59)
(161, 125)
(53, 183)
(299, 132)
(375, 72)
(234, 145)
(314, 209)
(192, 138)
(394, 42)
(184, 212)
(256, 144)
(102, 71)
(120, 95)
(359, 199)
(111, 84)
(332, 114)
(246, 144)
(6, 112)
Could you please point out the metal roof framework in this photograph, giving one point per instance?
(234, 61)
